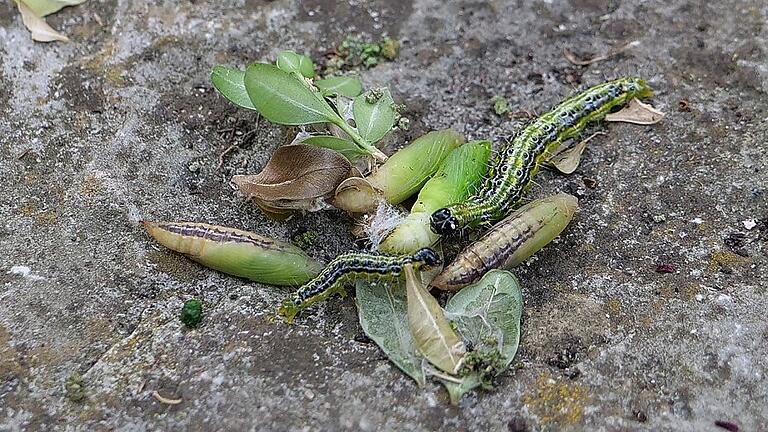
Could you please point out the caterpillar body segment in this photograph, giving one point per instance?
(514, 167)
(348, 267)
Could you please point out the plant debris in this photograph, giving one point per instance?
(500, 105)
(75, 388)
(571, 57)
(435, 339)
(165, 400)
(33, 13)
(192, 313)
(355, 52)
(665, 268)
(297, 177)
(636, 112)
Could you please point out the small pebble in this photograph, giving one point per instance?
(729, 426)
(749, 224)
(194, 167)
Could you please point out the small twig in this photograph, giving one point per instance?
(165, 400)
(444, 376)
(571, 57)
(24, 153)
(224, 153)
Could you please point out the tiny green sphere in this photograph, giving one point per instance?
(192, 313)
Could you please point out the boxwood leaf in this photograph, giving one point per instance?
(283, 99)
(341, 85)
(374, 114)
(290, 61)
(231, 84)
(382, 311)
(487, 314)
(435, 339)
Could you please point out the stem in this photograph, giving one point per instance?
(373, 151)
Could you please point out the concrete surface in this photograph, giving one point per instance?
(122, 123)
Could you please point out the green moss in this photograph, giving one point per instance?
(192, 313)
(305, 240)
(487, 363)
(75, 388)
(355, 52)
(500, 105)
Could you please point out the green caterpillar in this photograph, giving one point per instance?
(511, 175)
(347, 267)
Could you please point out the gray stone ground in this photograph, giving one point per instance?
(122, 123)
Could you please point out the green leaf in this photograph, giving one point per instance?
(341, 85)
(435, 339)
(491, 307)
(347, 148)
(487, 314)
(289, 61)
(230, 83)
(285, 100)
(374, 114)
(42, 8)
(382, 312)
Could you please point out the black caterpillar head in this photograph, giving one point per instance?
(427, 257)
(443, 222)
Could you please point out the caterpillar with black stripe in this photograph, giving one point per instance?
(348, 267)
(511, 174)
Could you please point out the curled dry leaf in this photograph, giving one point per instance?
(571, 57)
(566, 161)
(638, 113)
(165, 400)
(435, 339)
(297, 177)
(37, 26)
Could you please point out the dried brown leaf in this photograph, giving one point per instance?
(638, 113)
(571, 57)
(36, 25)
(567, 160)
(296, 177)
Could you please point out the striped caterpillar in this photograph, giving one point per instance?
(511, 175)
(347, 267)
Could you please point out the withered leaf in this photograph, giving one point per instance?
(431, 330)
(295, 177)
(566, 161)
(638, 113)
(37, 25)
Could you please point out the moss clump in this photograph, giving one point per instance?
(192, 313)
(500, 105)
(355, 52)
(305, 239)
(75, 387)
(487, 363)
(557, 401)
